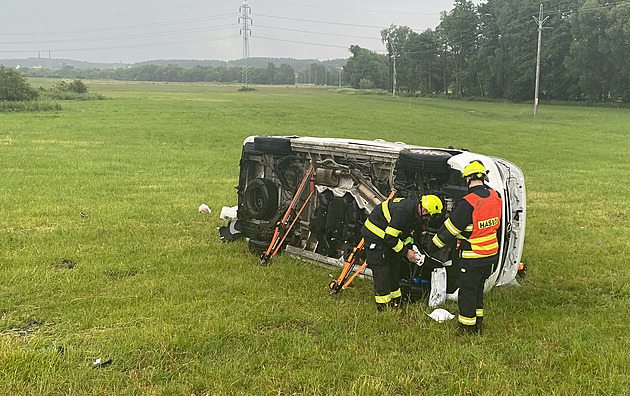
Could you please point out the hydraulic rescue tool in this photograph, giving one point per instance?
(344, 279)
(284, 226)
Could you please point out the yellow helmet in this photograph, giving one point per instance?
(432, 204)
(476, 170)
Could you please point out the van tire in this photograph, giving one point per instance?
(424, 161)
(273, 145)
(249, 150)
(261, 199)
(257, 247)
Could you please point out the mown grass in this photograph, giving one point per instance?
(142, 278)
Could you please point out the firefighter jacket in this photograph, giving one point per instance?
(474, 222)
(391, 224)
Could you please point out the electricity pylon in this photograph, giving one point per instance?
(245, 19)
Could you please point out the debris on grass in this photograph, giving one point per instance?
(23, 331)
(440, 315)
(100, 363)
(229, 213)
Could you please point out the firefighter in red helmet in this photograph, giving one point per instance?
(474, 222)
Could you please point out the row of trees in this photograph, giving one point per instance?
(490, 50)
(316, 74)
(284, 74)
(319, 74)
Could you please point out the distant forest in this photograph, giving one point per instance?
(484, 51)
(310, 72)
(316, 74)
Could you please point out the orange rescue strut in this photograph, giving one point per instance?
(342, 282)
(283, 228)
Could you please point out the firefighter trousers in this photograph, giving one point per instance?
(470, 299)
(385, 266)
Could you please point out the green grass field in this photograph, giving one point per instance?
(144, 281)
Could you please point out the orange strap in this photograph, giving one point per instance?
(352, 258)
(274, 246)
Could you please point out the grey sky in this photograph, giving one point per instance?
(133, 31)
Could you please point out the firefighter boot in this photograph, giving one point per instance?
(396, 302)
(468, 329)
(478, 324)
(479, 319)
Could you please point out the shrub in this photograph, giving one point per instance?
(75, 86)
(246, 89)
(366, 83)
(26, 106)
(74, 90)
(13, 86)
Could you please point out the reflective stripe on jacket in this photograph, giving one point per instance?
(474, 222)
(392, 222)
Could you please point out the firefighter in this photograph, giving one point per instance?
(387, 235)
(474, 222)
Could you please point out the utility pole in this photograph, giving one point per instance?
(340, 77)
(540, 21)
(245, 31)
(394, 77)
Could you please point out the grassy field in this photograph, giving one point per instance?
(143, 282)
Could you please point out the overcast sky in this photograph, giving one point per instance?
(138, 30)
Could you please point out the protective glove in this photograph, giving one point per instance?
(419, 257)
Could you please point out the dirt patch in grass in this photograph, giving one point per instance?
(64, 264)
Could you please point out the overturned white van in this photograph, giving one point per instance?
(348, 178)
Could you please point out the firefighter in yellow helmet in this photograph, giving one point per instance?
(474, 222)
(387, 234)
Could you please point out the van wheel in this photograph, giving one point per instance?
(250, 230)
(261, 199)
(257, 247)
(249, 150)
(273, 145)
(424, 161)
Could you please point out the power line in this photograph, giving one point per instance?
(320, 33)
(500, 33)
(127, 27)
(323, 22)
(302, 42)
(354, 10)
(125, 14)
(140, 35)
(130, 46)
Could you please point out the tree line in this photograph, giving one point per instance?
(490, 51)
(283, 74)
(316, 74)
